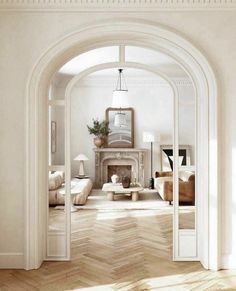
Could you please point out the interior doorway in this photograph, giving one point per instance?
(205, 89)
(130, 57)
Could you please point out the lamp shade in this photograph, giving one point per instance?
(120, 99)
(148, 136)
(81, 157)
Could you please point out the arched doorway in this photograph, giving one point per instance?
(158, 39)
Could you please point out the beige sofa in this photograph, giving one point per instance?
(163, 183)
(56, 184)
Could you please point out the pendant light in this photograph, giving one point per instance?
(120, 100)
(120, 94)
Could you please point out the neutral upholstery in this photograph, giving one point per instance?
(159, 185)
(164, 185)
(55, 181)
(56, 184)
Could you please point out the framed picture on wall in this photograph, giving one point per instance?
(167, 156)
(53, 136)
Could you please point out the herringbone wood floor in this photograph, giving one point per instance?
(119, 250)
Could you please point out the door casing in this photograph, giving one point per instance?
(102, 34)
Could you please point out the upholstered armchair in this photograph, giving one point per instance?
(164, 185)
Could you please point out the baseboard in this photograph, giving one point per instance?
(11, 261)
(228, 261)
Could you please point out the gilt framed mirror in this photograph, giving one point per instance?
(121, 124)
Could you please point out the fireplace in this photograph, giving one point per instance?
(128, 162)
(120, 171)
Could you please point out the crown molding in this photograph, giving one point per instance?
(116, 5)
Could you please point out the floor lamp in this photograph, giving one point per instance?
(150, 137)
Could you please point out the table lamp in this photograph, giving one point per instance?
(81, 158)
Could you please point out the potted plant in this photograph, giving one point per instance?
(100, 130)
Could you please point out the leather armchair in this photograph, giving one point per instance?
(164, 185)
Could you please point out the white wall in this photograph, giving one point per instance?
(152, 102)
(25, 36)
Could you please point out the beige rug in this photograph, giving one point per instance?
(148, 199)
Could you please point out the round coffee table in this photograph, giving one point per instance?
(73, 193)
(113, 189)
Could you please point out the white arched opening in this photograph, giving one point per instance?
(110, 32)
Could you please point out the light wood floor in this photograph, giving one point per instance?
(119, 250)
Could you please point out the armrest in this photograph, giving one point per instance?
(159, 184)
(186, 191)
(163, 174)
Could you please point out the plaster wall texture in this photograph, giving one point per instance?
(24, 37)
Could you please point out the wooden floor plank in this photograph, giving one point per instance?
(119, 250)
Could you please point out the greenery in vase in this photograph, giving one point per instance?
(99, 129)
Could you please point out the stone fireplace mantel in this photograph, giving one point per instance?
(118, 156)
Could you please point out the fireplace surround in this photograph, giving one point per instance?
(114, 157)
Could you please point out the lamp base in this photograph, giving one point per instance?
(151, 183)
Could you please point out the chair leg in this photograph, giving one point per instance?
(169, 202)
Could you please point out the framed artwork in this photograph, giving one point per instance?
(167, 156)
(121, 123)
(53, 136)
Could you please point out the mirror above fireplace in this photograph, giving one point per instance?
(121, 123)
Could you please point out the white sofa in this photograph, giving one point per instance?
(56, 184)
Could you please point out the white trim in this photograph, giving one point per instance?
(176, 177)
(12, 260)
(56, 242)
(68, 174)
(156, 37)
(117, 5)
(190, 245)
(56, 103)
(228, 261)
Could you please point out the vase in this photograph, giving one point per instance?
(125, 182)
(99, 141)
(114, 179)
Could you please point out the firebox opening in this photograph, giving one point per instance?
(120, 171)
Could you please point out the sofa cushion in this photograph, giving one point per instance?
(185, 175)
(55, 181)
(85, 186)
(81, 186)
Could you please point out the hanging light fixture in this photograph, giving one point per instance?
(120, 94)
(120, 100)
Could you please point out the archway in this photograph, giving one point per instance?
(84, 39)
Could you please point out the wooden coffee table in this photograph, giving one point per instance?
(113, 189)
